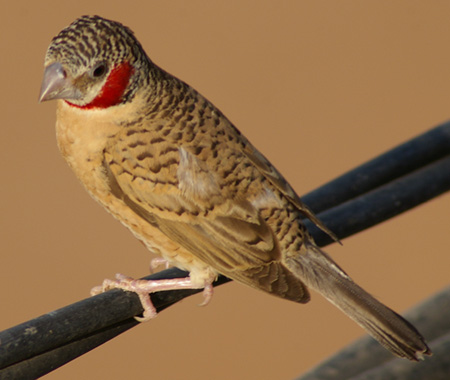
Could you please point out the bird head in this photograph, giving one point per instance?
(93, 63)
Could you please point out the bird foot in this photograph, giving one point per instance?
(143, 287)
(208, 292)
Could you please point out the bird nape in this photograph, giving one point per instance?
(172, 168)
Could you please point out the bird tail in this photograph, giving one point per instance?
(319, 272)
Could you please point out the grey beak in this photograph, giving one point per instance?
(56, 84)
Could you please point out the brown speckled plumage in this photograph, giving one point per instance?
(171, 167)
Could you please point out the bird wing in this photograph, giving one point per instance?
(186, 199)
(277, 180)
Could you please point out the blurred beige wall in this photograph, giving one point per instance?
(319, 87)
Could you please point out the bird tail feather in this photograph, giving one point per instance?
(320, 273)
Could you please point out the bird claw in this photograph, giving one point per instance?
(143, 287)
(208, 292)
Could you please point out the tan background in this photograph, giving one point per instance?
(319, 87)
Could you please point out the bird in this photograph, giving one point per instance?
(170, 166)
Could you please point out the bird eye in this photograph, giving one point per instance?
(99, 70)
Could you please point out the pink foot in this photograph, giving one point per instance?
(208, 292)
(143, 287)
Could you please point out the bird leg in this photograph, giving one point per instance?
(144, 287)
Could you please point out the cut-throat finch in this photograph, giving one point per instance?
(175, 171)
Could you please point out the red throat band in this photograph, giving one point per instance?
(112, 92)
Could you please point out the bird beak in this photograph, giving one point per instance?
(56, 84)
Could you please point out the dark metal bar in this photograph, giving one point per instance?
(385, 202)
(397, 162)
(365, 359)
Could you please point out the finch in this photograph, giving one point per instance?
(175, 171)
